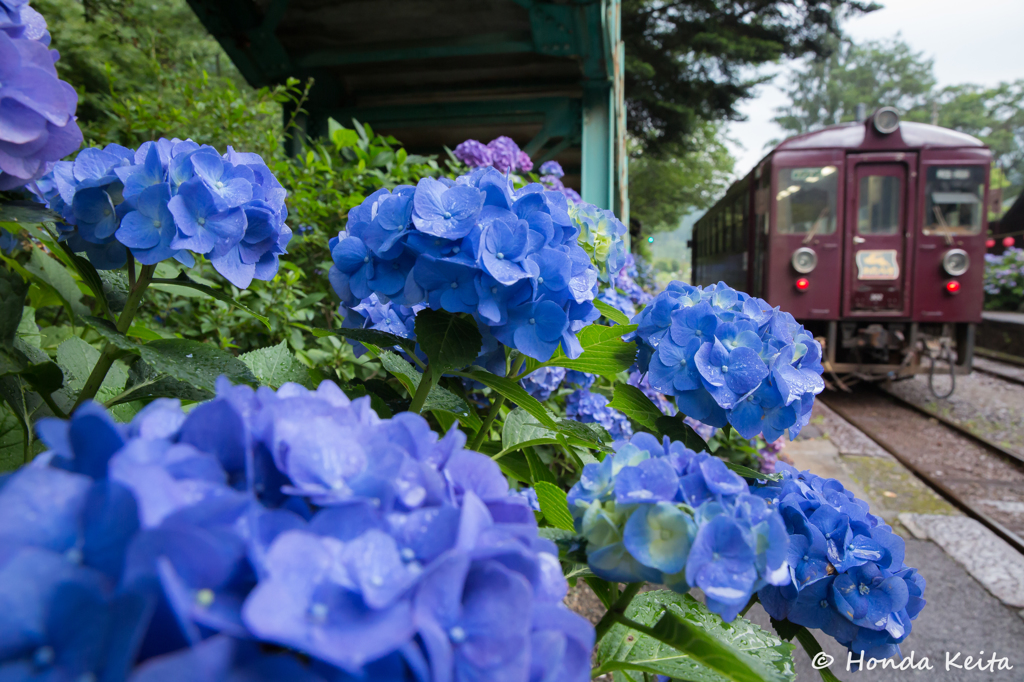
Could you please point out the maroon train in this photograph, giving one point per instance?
(871, 234)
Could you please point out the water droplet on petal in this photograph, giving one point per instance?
(205, 597)
(457, 634)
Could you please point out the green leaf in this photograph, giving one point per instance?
(539, 471)
(676, 429)
(27, 212)
(515, 465)
(450, 341)
(193, 362)
(77, 358)
(374, 337)
(604, 352)
(517, 394)
(28, 330)
(276, 365)
(612, 313)
(747, 472)
(145, 383)
(51, 272)
(12, 441)
(632, 402)
(438, 399)
(115, 288)
(607, 592)
(12, 309)
(553, 505)
(590, 435)
(678, 637)
(183, 280)
(45, 377)
(89, 275)
(521, 429)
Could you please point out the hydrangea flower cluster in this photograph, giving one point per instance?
(769, 455)
(511, 258)
(626, 281)
(181, 545)
(728, 358)
(602, 235)
(541, 383)
(390, 317)
(1004, 279)
(592, 408)
(847, 576)
(502, 153)
(618, 301)
(169, 198)
(551, 174)
(656, 511)
(37, 109)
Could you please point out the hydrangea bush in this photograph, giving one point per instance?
(1004, 280)
(511, 432)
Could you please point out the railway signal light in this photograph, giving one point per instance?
(953, 286)
(650, 240)
(802, 284)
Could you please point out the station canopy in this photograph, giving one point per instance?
(547, 74)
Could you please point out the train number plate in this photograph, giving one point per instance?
(881, 264)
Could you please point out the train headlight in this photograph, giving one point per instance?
(956, 262)
(887, 120)
(804, 260)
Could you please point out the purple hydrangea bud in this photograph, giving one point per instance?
(505, 154)
(552, 168)
(474, 154)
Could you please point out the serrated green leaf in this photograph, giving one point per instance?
(145, 383)
(438, 399)
(27, 213)
(676, 429)
(632, 402)
(51, 272)
(611, 312)
(680, 638)
(514, 465)
(604, 352)
(553, 505)
(538, 470)
(183, 280)
(521, 429)
(28, 330)
(276, 365)
(450, 341)
(591, 435)
(517, 394)
(77, 358)
(12, 440)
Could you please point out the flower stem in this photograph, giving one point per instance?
(422, 391)
(617, 609)
(492, 414)
(111, 352)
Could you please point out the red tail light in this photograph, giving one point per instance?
(802, 284)
(953, 286)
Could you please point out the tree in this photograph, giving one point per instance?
(689, 61)
(826, 91)
(993, 115)
(662, 189)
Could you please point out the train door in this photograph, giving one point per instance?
(878, 232)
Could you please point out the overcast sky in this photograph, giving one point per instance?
(981, 41)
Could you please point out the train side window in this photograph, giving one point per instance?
(879, 209)
(806, 201)
(954, 200)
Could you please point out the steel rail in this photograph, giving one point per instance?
(998, 375)
(938, 486)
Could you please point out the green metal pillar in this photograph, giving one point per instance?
(598, 176)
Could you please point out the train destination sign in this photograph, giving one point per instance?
(881, 264)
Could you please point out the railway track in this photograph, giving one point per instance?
(981, 478)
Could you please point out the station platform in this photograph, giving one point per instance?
(1002, 332)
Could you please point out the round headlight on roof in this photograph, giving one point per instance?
(955, 262)
(886, 120)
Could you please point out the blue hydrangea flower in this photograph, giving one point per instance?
(541, 383)
(513, 259)
(657, 511)
(603, 236)
(552, 168)
(580, 379)
(37, 119)
(727, 358)
(592, 408)
(846, 566)
(275, 535)
(169, 199)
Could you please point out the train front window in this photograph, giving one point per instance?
(879, 209)
(806, 201)
(954, 200)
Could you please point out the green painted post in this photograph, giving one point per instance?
(598, 150)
